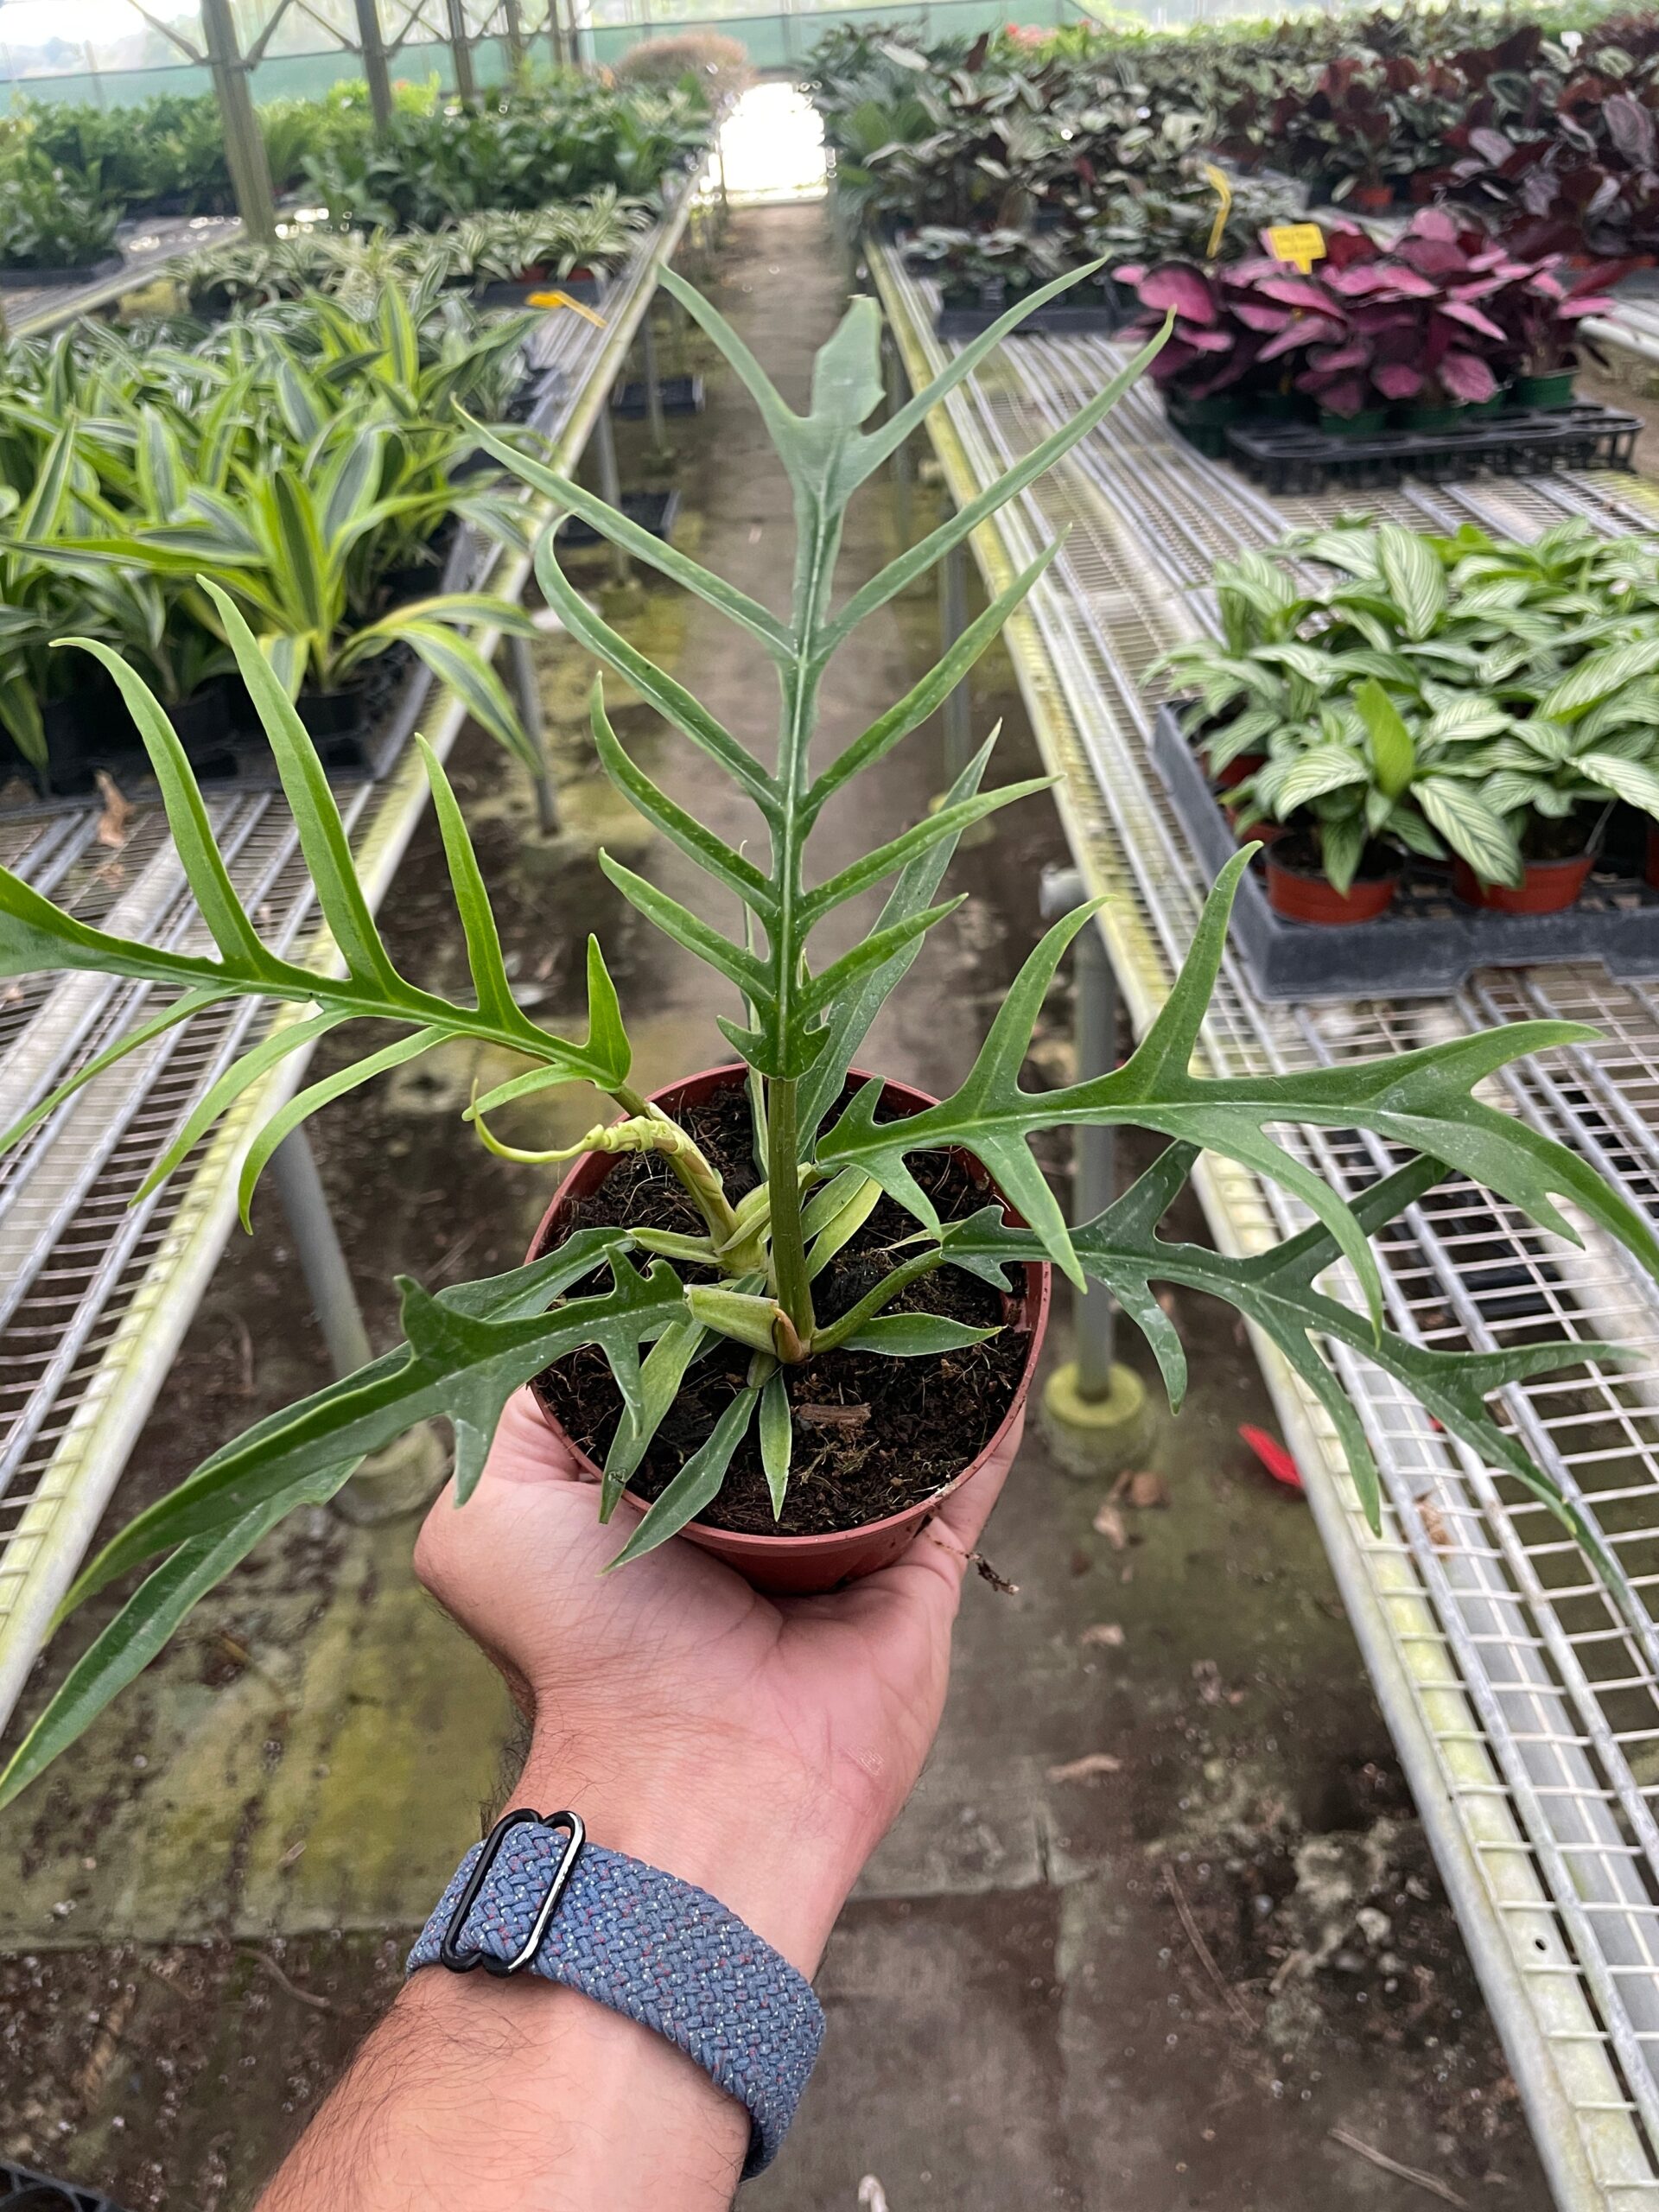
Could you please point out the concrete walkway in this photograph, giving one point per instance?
(1158, 1918)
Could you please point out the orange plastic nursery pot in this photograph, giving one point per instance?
(1545, 886)
(1301, 895)
(786, 1566)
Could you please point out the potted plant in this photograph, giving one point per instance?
(807, 1221)
(1543, 308)
(54, 228)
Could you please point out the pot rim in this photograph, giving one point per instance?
(755, 1545)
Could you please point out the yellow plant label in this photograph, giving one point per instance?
(1221, 184)
(1299, 244)
(564, 300)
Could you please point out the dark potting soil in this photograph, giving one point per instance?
(871, 1435)
(1562, 838)
(1297, 852)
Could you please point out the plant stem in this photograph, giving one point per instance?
(714, 1207)
(790, 1285)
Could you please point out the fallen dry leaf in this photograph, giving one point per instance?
(1087, 1769)
(1109, 1522)
(1102, 1632)
(1435, 1526)
(1207, 1675)
(117, 811)
(832, 1416)
(1141, 1487)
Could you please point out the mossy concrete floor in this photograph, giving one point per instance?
(1157, 1982)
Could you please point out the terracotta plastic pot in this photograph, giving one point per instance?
(1234, 773)
(1373, 197)
(1302, 896)
(1545, 886)
(802, 1565)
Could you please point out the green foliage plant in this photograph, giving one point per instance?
(50, 219)
(298, 454)
(1455, 693)
(652, 1301)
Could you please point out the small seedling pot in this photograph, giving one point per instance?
(801, 1566)
(1305, 895)
(1481, 408)
(1365, 425)
(1545, 886)
(1373, 198)
(1550, 392)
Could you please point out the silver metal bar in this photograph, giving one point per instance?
(322, 1259)
(527, 694)
(653, 385)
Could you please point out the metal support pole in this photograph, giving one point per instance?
(376, 74)
(556, 32)
(327, 1278)
(465, 86)
(953, 620)
(527, 693)
(610, 486)
(903, 465)
(1094, 1162)
(653, 384)
(515, 34)
(244, 146)
(1095, 1165)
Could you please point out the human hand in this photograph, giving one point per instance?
(757, 1746)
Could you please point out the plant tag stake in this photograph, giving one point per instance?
(1300, 243)
(1222, 184)
(564, 300)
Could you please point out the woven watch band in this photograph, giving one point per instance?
(650, 1945)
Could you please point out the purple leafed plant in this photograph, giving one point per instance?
(1439, 318)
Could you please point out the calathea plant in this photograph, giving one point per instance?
(754, 1279)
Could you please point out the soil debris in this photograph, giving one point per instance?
(1089, 1767)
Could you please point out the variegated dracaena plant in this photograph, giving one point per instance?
(749, 1275)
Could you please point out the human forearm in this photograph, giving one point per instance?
(521, 2097)
(517, 2094)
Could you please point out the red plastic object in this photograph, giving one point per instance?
(1302, 896)
(1547, 886)
(803, 1566)
(1272, 1455)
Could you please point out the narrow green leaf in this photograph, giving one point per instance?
(490, 978)
(655, 686)
(915, 1336)
(696, 1484)
(777, 1440)
(920, 557)
(286, 1037)
(664, 1371)
(187, 814)
(711, 853)
(322, 834)
(887, 860)
(299, 1108)
(1393, 752)
(569, 498)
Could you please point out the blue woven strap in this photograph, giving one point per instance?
(658, 1950)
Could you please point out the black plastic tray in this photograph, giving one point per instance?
(15, 2181)
(679, 395)
(1428, 942)
(653, 511)
(584, 289)
(1046, 322)
(1520, 441)
(40, 280)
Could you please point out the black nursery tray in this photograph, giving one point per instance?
(584, 289)
(1046, 322)
(1522, 441)
(653, 511)
(680, 396)
(1428, 942)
